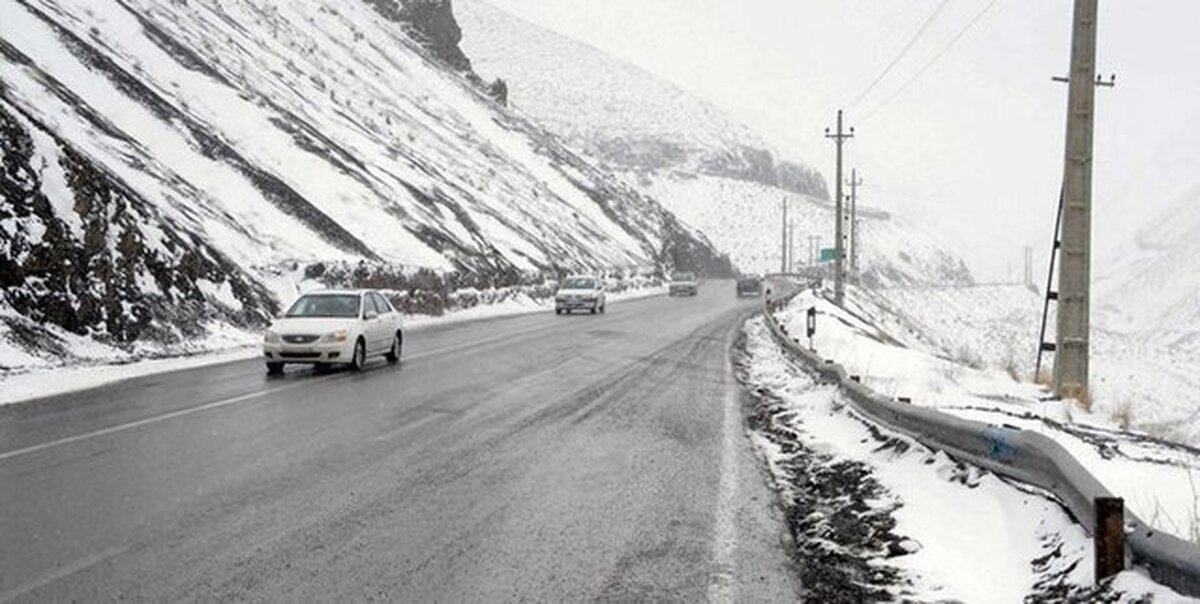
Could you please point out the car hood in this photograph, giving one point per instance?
(684, 283)
(310, 325)
(577, 292)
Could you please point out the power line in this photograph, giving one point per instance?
(961, 33)
(903, 51)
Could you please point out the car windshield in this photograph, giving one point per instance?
(339, 305)
(683, 277)
(579, 283)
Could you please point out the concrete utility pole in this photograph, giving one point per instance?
(791, 263)
(814, 249)
(783, 250)
(1029, 266)
(854, 182)
(839, 238)
(1074, 271)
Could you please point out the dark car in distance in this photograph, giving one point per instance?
(749, 286)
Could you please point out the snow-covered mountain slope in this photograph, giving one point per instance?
(1156, 477)
(1136, 382)
(1151, 289)
(705, 167)
(616, 111)
(744, 219)
(163, 160)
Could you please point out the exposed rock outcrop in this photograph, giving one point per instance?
(432, 24)
(103, 262)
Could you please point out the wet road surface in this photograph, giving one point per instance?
(526, 458)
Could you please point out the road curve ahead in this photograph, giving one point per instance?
(527, 458)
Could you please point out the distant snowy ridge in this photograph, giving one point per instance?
(705, 167)
(616, 111)
(163, 160)
(744, 219)
(1151, 290)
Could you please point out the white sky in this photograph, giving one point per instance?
(974, 147)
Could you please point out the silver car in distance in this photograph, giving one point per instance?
(580, 292)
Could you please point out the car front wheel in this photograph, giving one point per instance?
(359, 360)
(393, 355)
(274, 368)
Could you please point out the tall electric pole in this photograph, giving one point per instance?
(839, 239)
(783, 242)
(854, 182)
(1074, 270)
(1028, 266)
(791, 263)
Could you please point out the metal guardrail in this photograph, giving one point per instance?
(1024, 456)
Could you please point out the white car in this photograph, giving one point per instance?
(683, 284)
(580, 292)
(334, 327)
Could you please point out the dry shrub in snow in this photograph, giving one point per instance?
(964, 355)
(1123, 415)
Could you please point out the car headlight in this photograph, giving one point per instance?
(270, 337)
(336, 336)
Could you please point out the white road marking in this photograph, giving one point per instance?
(61, 572)
(721, 585)
(150, 420)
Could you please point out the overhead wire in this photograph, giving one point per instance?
(937, 56)
(900, 55)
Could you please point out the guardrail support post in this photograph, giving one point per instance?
(1109, 537)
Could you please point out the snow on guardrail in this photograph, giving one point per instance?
(1021, 455)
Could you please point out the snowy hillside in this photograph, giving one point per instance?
(744, 219)
(167, 163)
(703, 166)
(1136, 382)
(1156, 477)
(1152, 288)
(616, 111)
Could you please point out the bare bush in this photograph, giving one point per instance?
(964, 355)
(1123, 415)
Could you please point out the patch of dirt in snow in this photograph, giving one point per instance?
(878, 517)
(840, 535)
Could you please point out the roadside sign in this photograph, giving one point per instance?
(828, 254)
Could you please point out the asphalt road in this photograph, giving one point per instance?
(528, 458)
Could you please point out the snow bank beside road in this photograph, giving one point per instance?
(1160, 481)
(892, 519)
(1138, 381)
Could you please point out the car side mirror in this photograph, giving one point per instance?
(370, 314)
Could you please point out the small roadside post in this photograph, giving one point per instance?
(1109, 537)
(811, 326)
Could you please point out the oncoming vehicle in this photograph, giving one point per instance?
(683, 284)
(580, 292)
(334, 327)
(750, 285)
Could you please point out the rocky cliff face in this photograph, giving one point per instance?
(431, 23)
(84, 253)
